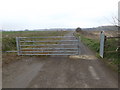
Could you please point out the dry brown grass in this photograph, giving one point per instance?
(96, 34)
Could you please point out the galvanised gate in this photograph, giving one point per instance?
(50, 45)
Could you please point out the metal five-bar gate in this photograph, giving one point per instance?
(50, 45)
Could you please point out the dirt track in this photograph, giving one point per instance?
(60, 72)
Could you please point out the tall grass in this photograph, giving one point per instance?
(110, 50)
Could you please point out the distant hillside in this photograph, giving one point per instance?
(71, 29)
(55, 29)
(102, 28)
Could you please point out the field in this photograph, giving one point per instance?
(9, 41)
(92, 40)
(58, 71)
(9, 37)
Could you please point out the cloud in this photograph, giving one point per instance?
(22, 14)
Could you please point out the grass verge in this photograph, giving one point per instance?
(111, 59)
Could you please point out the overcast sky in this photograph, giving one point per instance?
(40, 14)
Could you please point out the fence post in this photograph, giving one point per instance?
(102, 42)
(79, 45)
(17, 45)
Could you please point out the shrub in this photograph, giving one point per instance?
(8, 44)
(78, 29)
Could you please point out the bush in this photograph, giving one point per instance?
(78, 29)
(8, 44)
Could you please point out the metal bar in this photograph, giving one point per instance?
(66, 52)
(111, 37)
(48, 37)
(110, 45)
(111, 51)
(17, 45)
(11, 51)
(79, 45)
(51, 41)
(48, 48)
(48, 51)
(49, 54)
(49, 45)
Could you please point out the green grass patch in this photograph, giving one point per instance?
(91, 43)
(111, 45)
(8, 44)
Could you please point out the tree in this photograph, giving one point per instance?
(78, 29)
(26, 30)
